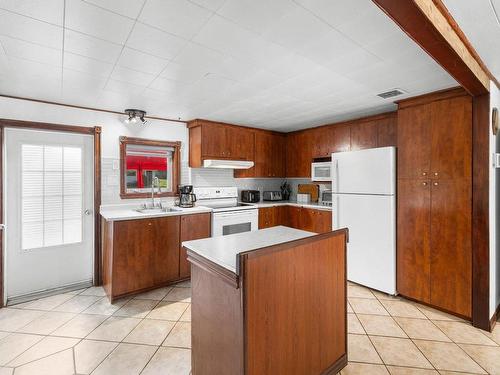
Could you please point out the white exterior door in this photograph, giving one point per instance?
(49, 179)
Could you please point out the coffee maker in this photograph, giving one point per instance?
(186, 196)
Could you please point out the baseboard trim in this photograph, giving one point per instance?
(48, 292)
(337, 366)
(494, 318)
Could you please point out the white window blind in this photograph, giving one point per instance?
(52, 195)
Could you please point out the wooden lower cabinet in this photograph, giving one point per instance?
(193, 227)
(146, 253)
(309, 219)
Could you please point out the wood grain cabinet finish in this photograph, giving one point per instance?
(213, 140)
(269, 158)
(434, 245)
(272, 318)
(143, 254)
(309, 219)
(193, 227)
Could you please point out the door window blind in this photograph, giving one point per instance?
(51, 195)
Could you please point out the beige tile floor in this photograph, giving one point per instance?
(82, 333)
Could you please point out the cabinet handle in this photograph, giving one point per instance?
(149, 224)
(424, 183)
(435, 173)
(436, 184)
(424, 173)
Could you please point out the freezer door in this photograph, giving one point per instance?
(371, 251)
(371, 171)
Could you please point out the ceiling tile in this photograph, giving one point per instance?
(336, 12)
(30, 30)
(155, 42)
(167, 86)
(285, 30)
(30, 51)
(210, 4)
(91, 20)
(127, 8)
(256, 15)
(89, 46)
(50, 11)
(327, 47)
(179, 17)
(87, 65)
(124, 88)
(141, 62)
(135, 77)
(183, 73)
(231, 39)
(73, 79)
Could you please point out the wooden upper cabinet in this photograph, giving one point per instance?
(387, 131)
(341, 138)
(299, 153)
(322, 142)
(363, 135)
(193, 227)
(413, 239)
(414, 142)
(240, 143)
(213, 140)
(451, 140)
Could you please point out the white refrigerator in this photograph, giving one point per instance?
(364, 201)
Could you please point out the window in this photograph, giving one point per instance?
(51, 195)
(144, 160)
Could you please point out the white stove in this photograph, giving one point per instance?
(229, 216)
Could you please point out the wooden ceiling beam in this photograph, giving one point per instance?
(431, 26)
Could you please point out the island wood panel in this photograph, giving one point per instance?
(193, 227)
(295, 307)
(451, 254)
(217, 344)
(413, 239)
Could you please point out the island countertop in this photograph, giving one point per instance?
(224, 250)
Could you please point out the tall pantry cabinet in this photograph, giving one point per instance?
(434, 260)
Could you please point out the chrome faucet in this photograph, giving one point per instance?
(155, 181)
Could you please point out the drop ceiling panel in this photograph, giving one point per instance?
(282, 64)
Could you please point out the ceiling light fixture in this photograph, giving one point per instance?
(135, 116)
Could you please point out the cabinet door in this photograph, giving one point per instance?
(266, 217)
(451, 153)
(304, 140)
(193, 227)
(451, 256)
(263, 144)
(278, 150)
(387, 132)
(293, 217)
(240, 143)
(165, 252)
(322, 221)
(341, 139)
(214, 141)
(132, 249)
(292, 155)
(413, 239)
(322, 142)
(414, 142)
(363, 136)
(307, 219)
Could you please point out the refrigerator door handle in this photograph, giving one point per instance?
(336, 213)
(335, 175)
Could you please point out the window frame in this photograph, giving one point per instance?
(176, 165)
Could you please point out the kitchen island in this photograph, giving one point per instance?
(271, 302)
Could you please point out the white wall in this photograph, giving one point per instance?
(112, 128)
(494, 209)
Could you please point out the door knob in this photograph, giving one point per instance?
(424, 173)
(424, 183)
(88, 212)
(436, 184)
(435, 173)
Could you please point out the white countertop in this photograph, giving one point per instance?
(127, 212)
(224, 250)
(313, 205)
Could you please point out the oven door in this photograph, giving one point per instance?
(231, 222)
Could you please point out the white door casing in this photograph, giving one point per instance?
(49, 236)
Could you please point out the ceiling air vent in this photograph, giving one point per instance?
(391, 93)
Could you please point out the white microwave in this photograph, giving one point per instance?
(321, 171)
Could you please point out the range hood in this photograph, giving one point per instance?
(227, 164)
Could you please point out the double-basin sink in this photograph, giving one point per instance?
(157, 210)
